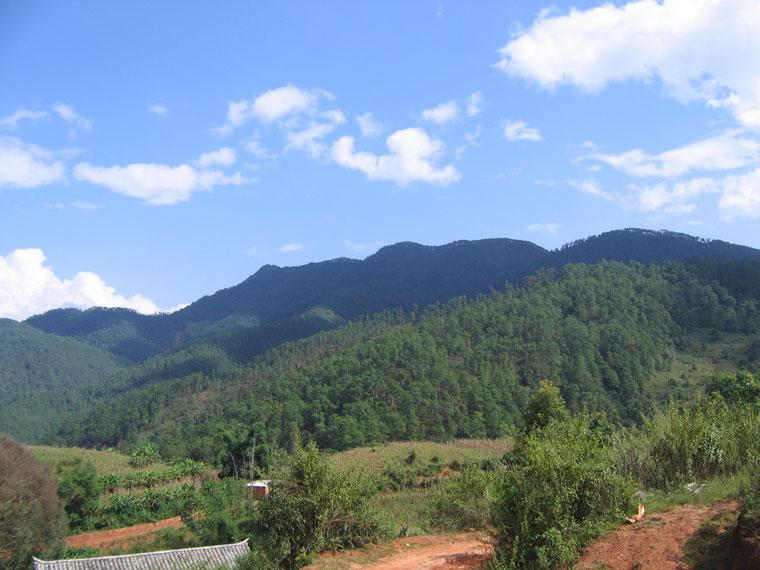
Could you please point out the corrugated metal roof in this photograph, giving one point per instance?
(203, 558)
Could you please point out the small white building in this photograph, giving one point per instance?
(260, 489)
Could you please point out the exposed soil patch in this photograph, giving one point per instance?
(446, 552)
(106, 539)
(658, 541)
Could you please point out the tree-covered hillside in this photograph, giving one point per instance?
(603, 333)
(400, 275)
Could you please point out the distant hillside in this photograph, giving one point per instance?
(34, 365)
(400, 275)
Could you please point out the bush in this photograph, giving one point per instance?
(677, 446)
(561, 487)
(462, 502)
(79, 491)
(30, 520)
(314, 507)
(144, 455)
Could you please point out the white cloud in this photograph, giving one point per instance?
(471, 138)
(550, 228)
(158, 109)
(290, 248)
(474, 104)
(444, 113)
(310, 136)
(728, 150)
(590, 187)
(363, 247)
(411, 158)
(156, 184)
(25, 165)
(520, 131)
(700, 50)
(68, 114)
(740, 196)
(222, 157)
(370, 127)
(29, 287)
(677, 198)
(78, 204)
(271, 106)
(12, 121)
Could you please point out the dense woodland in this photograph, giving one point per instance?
(230, 365)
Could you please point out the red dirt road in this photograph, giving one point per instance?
(104, 539)
(656, 542)
(450, 552)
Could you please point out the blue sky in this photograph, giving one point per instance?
(151, 153)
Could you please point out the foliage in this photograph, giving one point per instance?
(223, 512)
(560, 487)
(144, 454)
(29, 511)
(147, 479)
(544, 407)
(79, 491)
(742, 388)
(683, 445)
(313, 507)
(463, 502)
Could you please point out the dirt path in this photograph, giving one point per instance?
(657, 542)
(104, 539)
(449, 552)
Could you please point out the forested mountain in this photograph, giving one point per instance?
(33, 362)
(207, 344)
(400, 275)
(603, 333)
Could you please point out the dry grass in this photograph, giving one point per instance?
(374, 460)
(106, 462)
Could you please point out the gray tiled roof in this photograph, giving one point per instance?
(204, 558)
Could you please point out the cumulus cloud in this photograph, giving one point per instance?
(25, 165)
(520, 131)
(369, 126)
(290, 248)
(29, 287)
(271, 106)
(158, 109)
(441, 114)
(725, 151)
(223, 157)
(677, 198)
(412, 157)
(549, 228)
(254, 145)
(309, 137)
(740, 196)
(700, 50)
(68, 114)
(20, 115)
(161, 184)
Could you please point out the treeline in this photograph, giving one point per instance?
(463, 369)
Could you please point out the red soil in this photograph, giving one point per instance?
(656, 542)
(105, 539)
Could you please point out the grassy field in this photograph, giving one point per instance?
(376, 459)
(106, 462)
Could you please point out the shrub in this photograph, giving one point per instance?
(29, 511)
(462, 502)
(545, 406)
(562, 485)
(711, 438)
(79, 491)
(144, 455)
(314, 507)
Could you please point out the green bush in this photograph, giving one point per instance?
(144, 455)
(314, 507)
(79, 490)
(462, 502)
(682, 445)
(562, 485)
